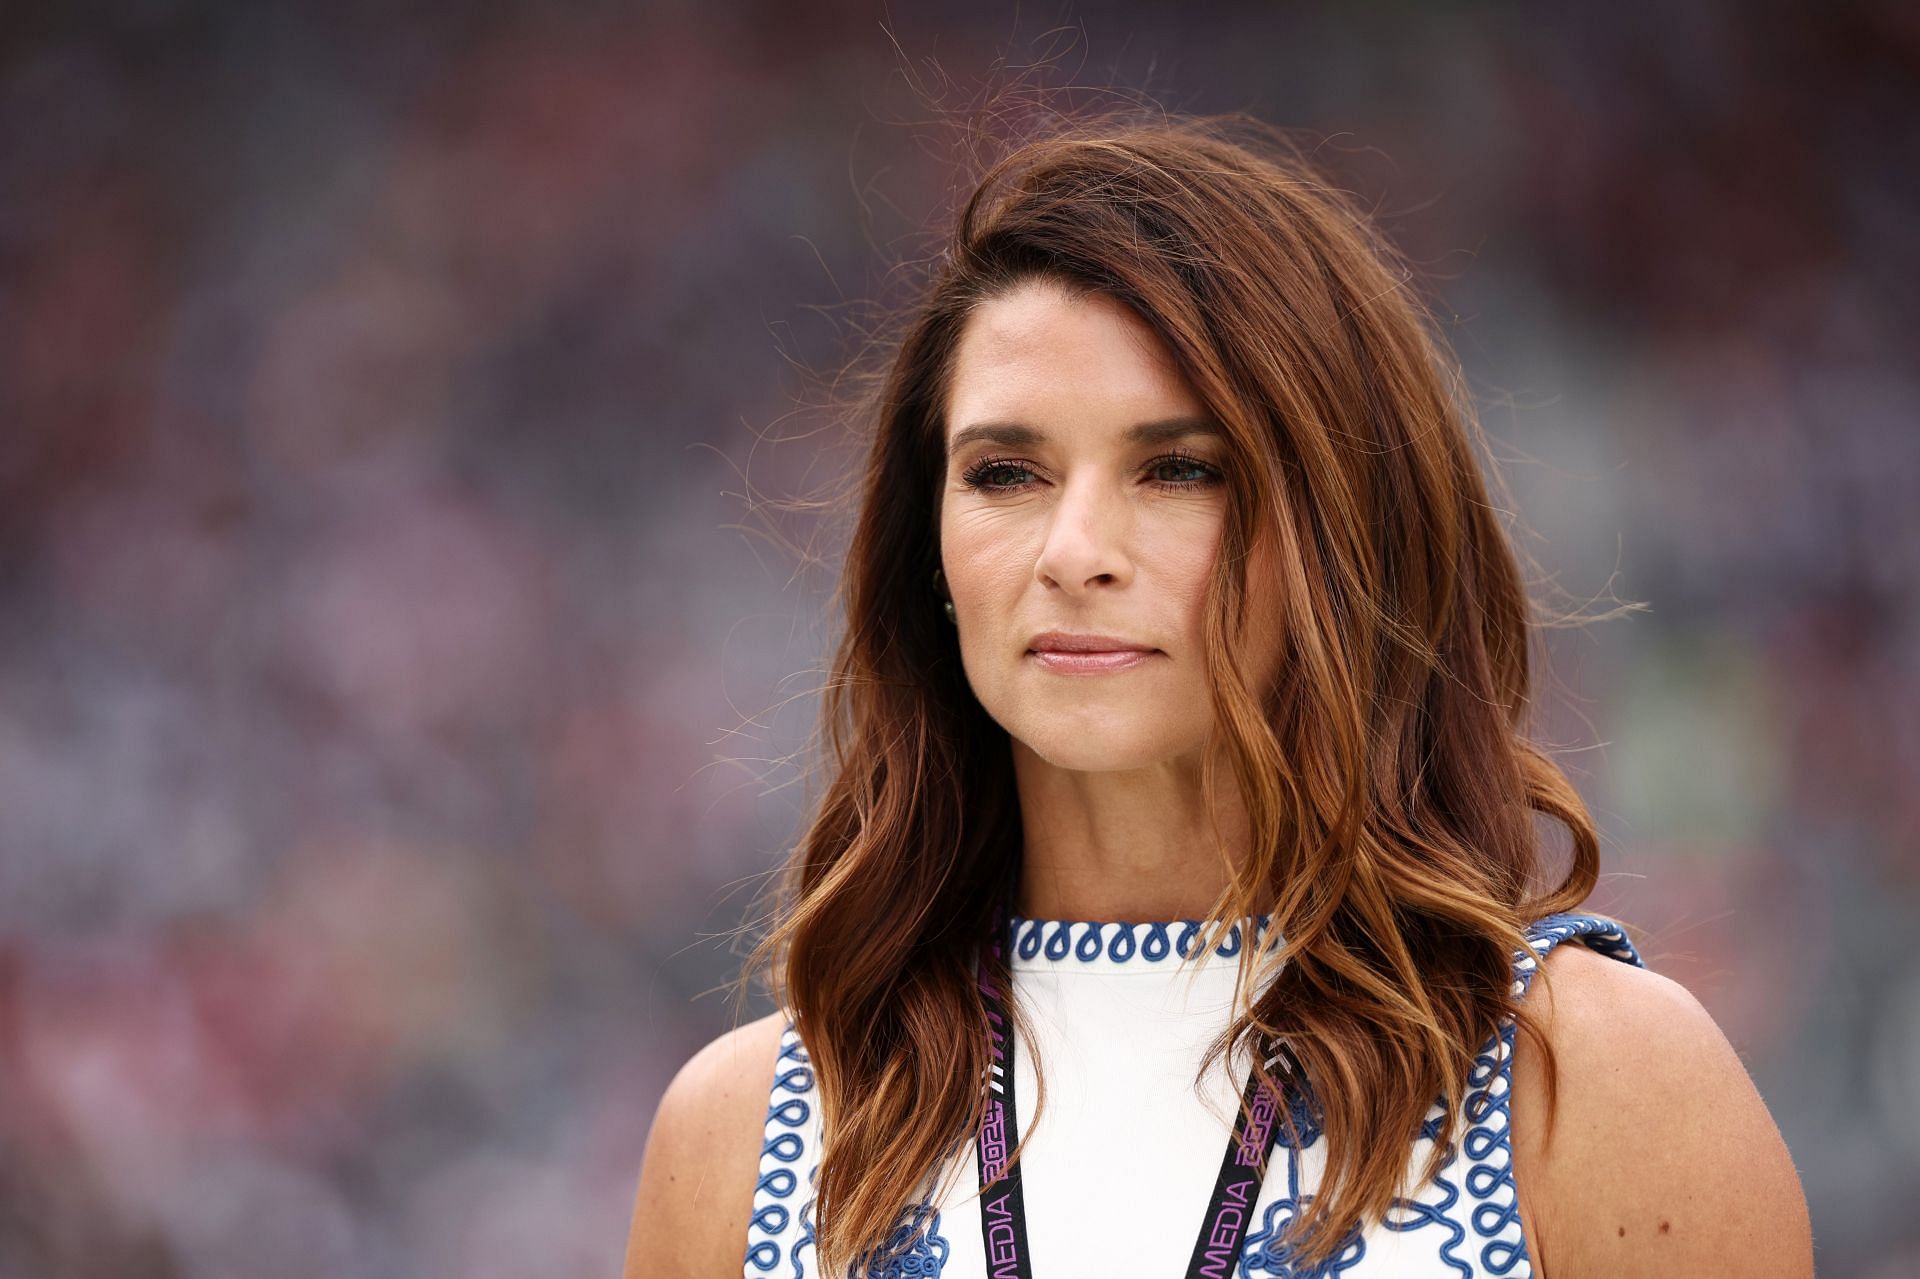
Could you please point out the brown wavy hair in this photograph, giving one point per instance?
(1392, 793)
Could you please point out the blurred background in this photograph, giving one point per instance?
(394, 664)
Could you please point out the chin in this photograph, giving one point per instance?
(1102, 744)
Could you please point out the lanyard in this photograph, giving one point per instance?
(1003, 1217)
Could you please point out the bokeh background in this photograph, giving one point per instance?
(399, 650)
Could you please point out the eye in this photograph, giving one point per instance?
(1182, 471)
(996, 474)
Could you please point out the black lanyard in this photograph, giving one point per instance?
(1003, 1215)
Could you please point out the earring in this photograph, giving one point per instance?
(940, 588)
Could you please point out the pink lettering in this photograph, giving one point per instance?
(1003, 1249)
(993, 1141)
(1219, 1263)
(1253, 1141)
(1226, 1225)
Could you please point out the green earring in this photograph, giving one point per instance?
(940, 588)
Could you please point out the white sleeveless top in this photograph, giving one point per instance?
(1118, 1170)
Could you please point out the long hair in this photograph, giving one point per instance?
(1392, 792)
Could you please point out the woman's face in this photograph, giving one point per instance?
(1082, 508)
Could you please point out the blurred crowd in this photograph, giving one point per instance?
(399, 686)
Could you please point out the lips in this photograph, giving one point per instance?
(1091, 654)
(1067, 642)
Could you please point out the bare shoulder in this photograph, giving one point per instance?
(696, 1182)
(1661, 1158)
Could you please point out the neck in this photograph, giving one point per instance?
(1139, 845)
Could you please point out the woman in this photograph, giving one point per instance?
(1176, 598)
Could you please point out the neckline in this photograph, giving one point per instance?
(1085, 945)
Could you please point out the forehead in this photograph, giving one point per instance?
(1038, 354)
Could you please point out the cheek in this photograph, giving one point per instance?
(987, 556)
(1181, 564)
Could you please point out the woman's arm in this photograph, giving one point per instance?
(703, 1156)
(1662, 1159)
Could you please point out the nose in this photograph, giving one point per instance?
(1085, 546)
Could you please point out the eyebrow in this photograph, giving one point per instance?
(1019, 435)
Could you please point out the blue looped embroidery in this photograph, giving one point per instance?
(1265, 1253)
(1091, 941)
(926, 1249)
(1491, 1218)
(1500, 1257)
(778, 1182)
(1436, 1214)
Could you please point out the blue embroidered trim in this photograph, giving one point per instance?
(927, 1255)
(1092, 941)
(778, 1203)
(773, 1194)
